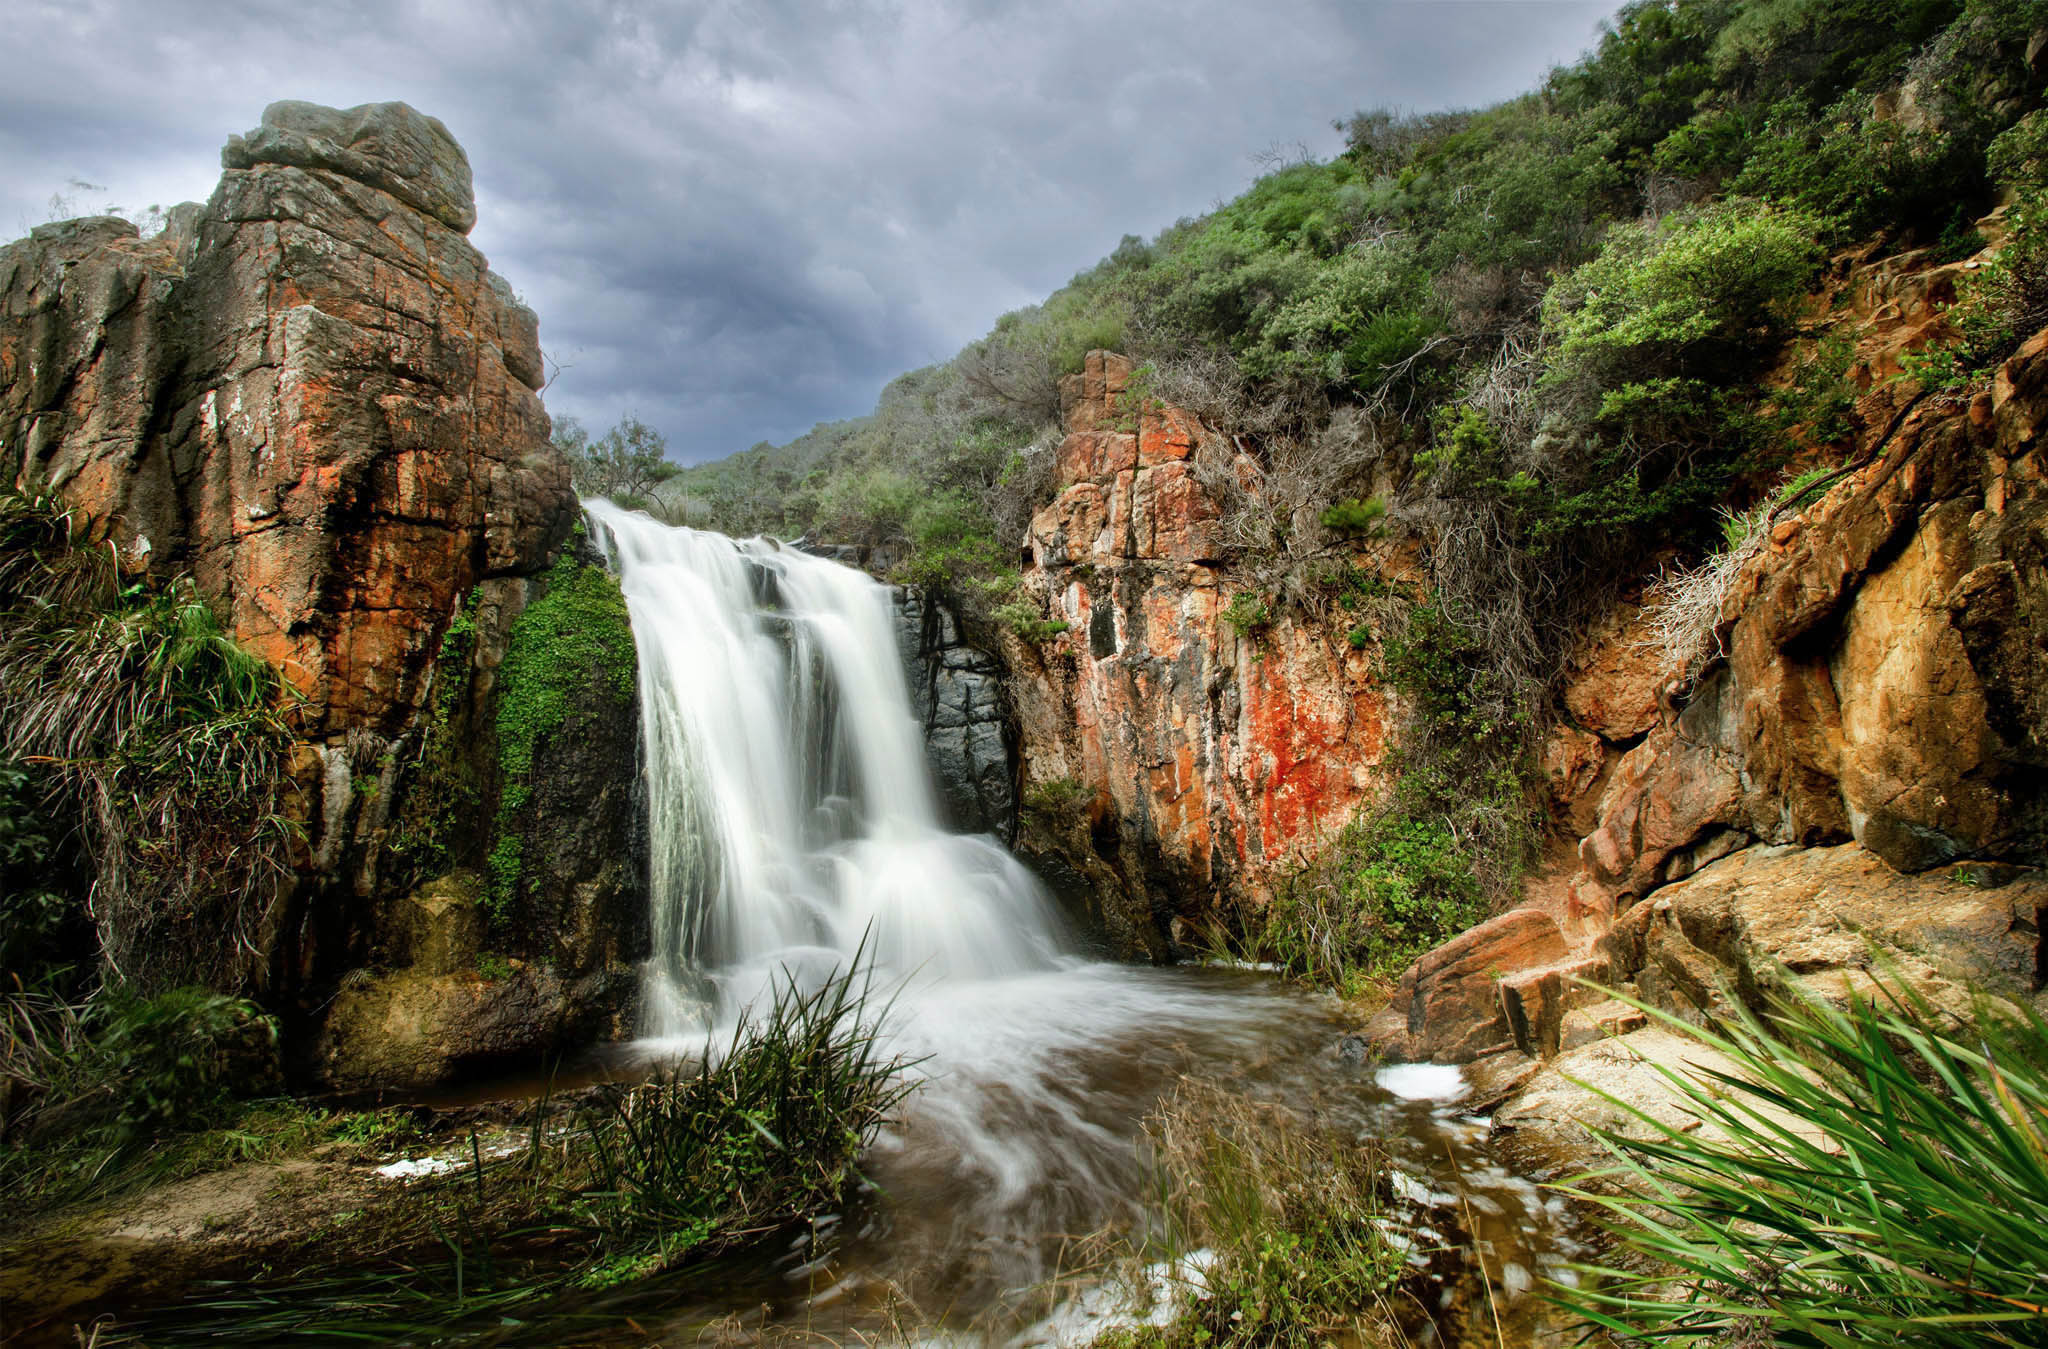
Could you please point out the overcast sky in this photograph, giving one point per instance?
(736, 220)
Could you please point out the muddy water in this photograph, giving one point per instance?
(1025, 1139)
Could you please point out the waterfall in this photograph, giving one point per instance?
(791, 814)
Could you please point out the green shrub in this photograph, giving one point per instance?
(1057, 799)
(40, 925)
(165, 746)
(1874, 1174)
(1692, 296)
(1353, 516)
(767, 1130)
(1022, 617)
(91, 1090)
(1248, 612)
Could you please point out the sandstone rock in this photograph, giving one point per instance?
(1575, 764)
(1886, 672)
(313, 394)
(1449, 1008)
(1217, 759)
(1744, 923)
(1548, 1120)
(1612, 681)
(310, 393)
(439, 929)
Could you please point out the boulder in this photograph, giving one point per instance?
(1449, 1006)
(409, 1029)
(1827, 920)
(388, 146)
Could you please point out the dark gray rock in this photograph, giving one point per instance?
(956, 694)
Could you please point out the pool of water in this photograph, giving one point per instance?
(1024, 1144)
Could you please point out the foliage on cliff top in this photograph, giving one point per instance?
(156, 738)
(1537, 331)
(1875, 1173)
(1596, 271)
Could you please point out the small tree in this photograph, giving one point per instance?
(626, 463)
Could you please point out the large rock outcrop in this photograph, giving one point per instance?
(1854, 786)
(1192, 759)
(314, 395)
(311, 392)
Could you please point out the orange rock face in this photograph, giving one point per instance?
(1212, 757)
(311, 392)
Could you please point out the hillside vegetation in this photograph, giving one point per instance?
(1550, 343)
(1542, 323)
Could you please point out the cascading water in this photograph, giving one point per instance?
(791, 814)
(794, 827)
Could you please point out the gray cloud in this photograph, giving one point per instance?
(738, 219)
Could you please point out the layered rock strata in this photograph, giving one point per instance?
(311, 392)
(1854, 786)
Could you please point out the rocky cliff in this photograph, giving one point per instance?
(313, 394)
(1848, 774)
(1848, 781)
(1181, 753)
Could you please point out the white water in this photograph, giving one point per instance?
(790, 809)
(793, 823)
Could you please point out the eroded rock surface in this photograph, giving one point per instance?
(312, 392)
(1854, 788)
(956, 694)
(1206, 757)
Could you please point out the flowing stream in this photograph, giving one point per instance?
(794, 827)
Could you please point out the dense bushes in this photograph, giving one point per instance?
(89, 1090)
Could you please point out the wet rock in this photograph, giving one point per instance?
(1355, 1051)
(956, 693)
(412, 1029)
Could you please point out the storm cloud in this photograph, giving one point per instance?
(738, 220)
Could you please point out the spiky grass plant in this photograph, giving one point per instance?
(753, 1137)
(1875, 1173)
(563, 1237)
(168, 741)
